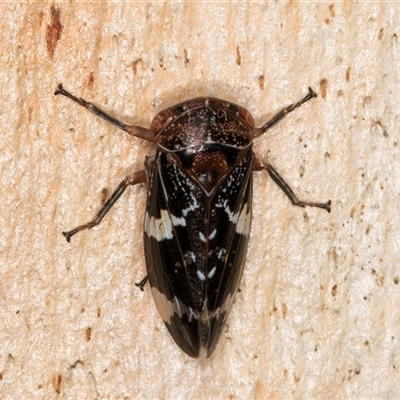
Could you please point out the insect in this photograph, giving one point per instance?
(198, 211)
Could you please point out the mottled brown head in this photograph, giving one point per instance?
(206, 136)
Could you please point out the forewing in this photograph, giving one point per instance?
(173, 249)
(232, 219)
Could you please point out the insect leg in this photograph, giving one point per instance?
(273, 173)
(141, 284)
(282, 114)
(133, 130)
(134, 179)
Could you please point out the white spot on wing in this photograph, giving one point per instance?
(213, 234)
(200, 275)
(192, 206)
(192, 314)
(189, 257)
(221, 254)
(178, 221)
(178, 306)
(232, 217)
(212, 272)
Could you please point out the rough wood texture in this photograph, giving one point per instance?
(317, 316)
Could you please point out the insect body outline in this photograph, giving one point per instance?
(198, 210)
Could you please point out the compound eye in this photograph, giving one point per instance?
(161, 120)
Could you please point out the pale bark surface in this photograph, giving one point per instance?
(317, 316)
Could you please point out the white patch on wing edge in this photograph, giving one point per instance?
(164, 306)
(162, 228)
(167, 308)
(242, 219)
(159, 228)
(243, 222)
